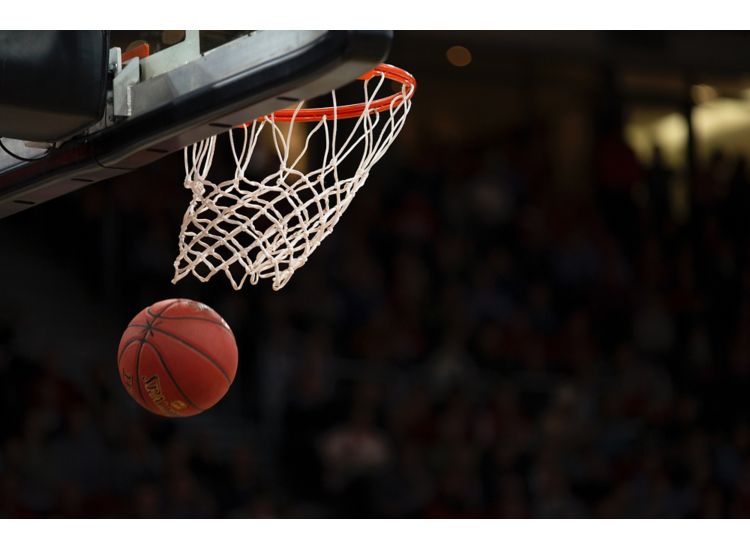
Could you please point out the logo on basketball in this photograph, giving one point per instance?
(153, 388)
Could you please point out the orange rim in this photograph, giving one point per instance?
(356, 109)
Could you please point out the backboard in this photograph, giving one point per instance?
(182, 94)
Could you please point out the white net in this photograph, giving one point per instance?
(252, 229)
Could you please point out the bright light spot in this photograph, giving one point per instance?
(723, 120)
(721, 123)
(458, 56)
(703, 93)
(669, 131)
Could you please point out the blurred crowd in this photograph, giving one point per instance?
(472, 341)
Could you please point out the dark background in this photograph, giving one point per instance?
(522, 314)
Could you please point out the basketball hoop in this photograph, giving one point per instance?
(254, 229)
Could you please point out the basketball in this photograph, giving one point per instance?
(177, 358)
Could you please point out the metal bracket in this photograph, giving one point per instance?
(170, 58)
(115, 60)
(122, 87)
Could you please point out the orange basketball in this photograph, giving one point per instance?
(177, 358)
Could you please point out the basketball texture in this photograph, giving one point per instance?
(177, 358)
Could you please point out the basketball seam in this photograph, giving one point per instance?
(138, 374)
(119, 357)
(160, 315)
(176, 385)
(174, 303)
(127, 345)
(190, 346)
(219, 323)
